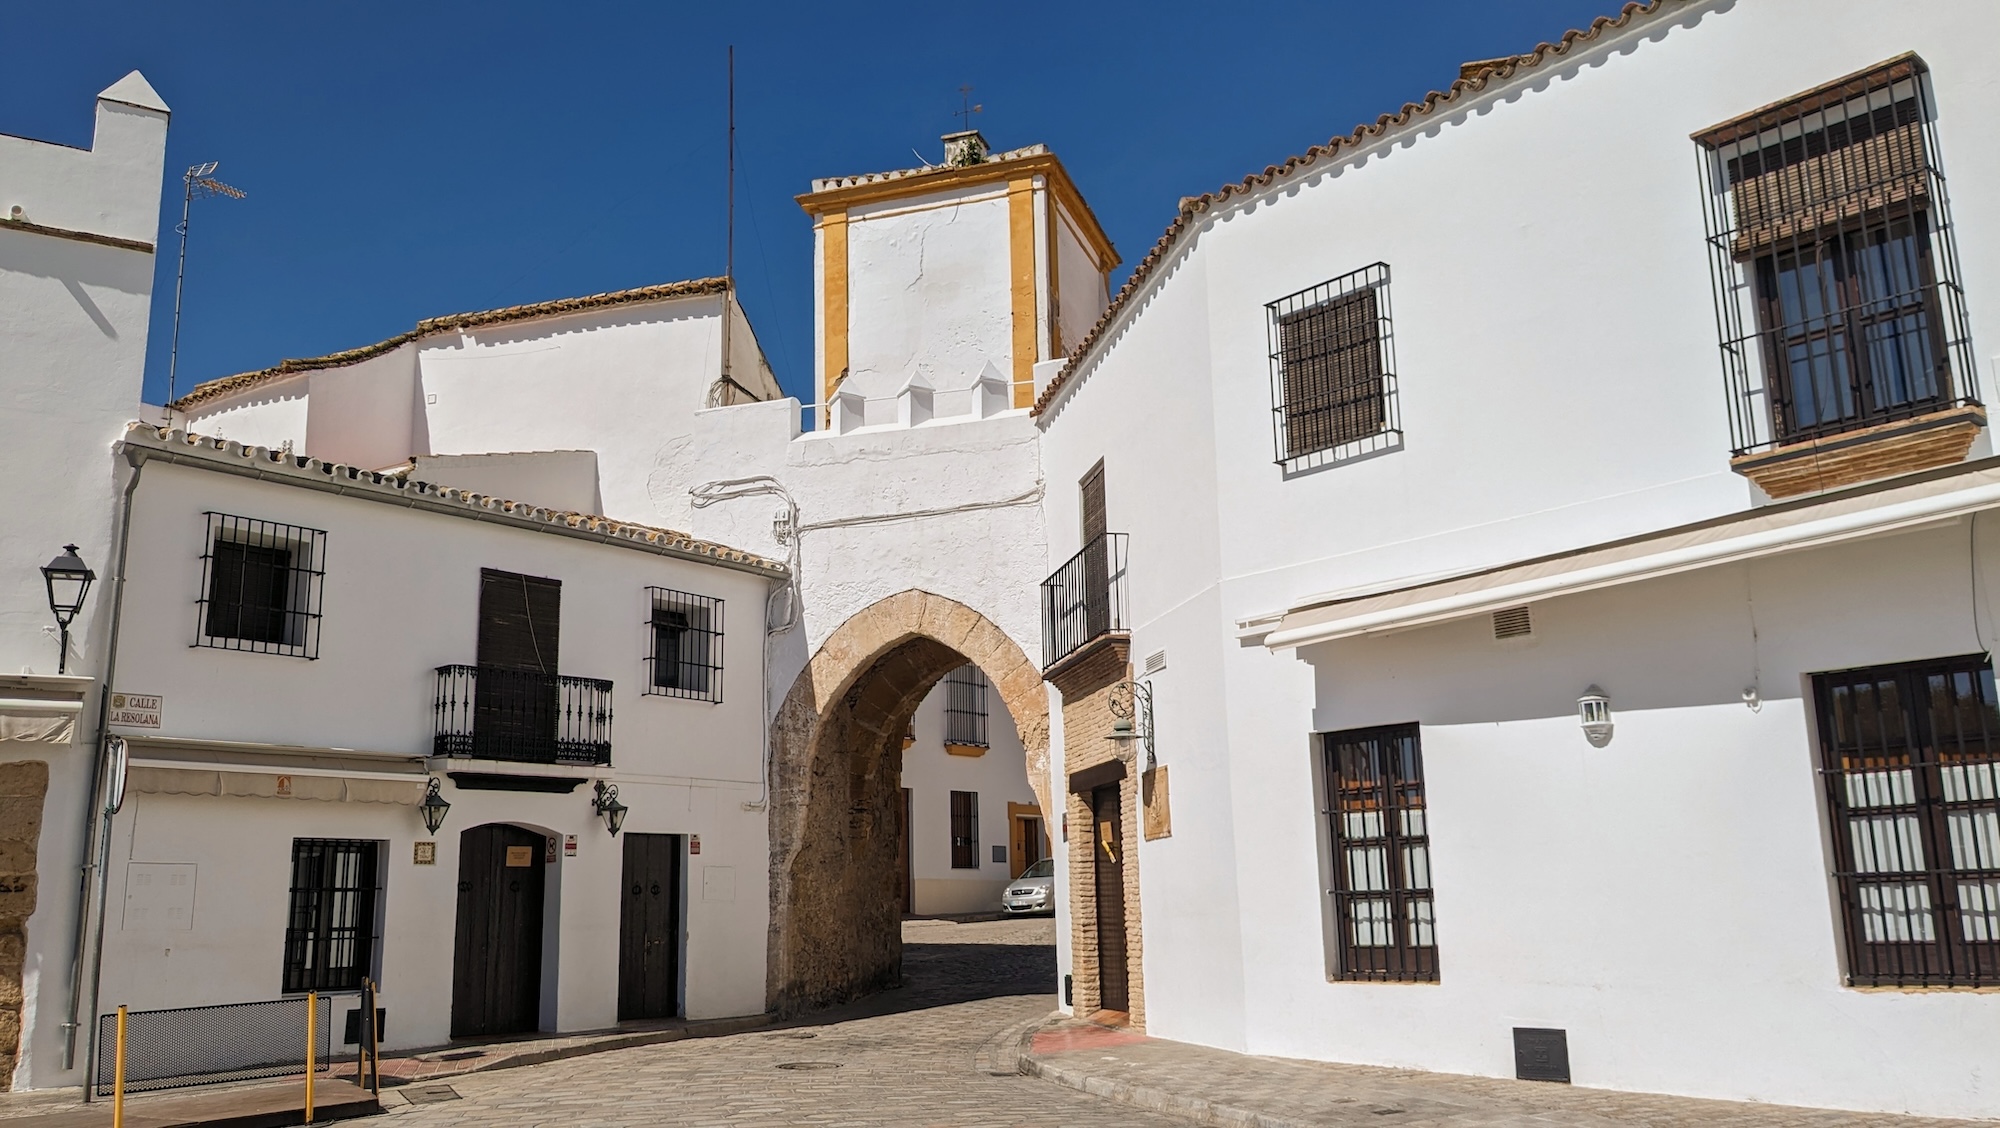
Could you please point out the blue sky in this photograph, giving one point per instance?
(421, 158)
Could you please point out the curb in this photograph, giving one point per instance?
(1138, 1096)
(704, 1028)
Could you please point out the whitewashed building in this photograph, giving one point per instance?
(1558, 507)
(77, 231)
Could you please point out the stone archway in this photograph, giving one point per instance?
(836, 749)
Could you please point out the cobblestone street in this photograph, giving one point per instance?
(908, 1057)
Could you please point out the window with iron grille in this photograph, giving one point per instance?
(1333, 378)
(965, 706)
(260, 586)
(1378, 855)
(965, 830)
(1911, 759)
(330, 930)
(1835, 265)
(686, 656)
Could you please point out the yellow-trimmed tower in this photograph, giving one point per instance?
(937, 272)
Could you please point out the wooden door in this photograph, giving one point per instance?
(515, 700)
(1096, 555)
(649, 928)
(1032, 844)
(496, 980)
(1108, 854)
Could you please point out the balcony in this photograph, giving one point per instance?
(1085, 599)
(492, 713)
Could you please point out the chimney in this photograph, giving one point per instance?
(964, 148)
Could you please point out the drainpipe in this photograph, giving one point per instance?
(93, 863)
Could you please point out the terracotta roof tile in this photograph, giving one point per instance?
(399, 488)
(1474, 77)
(228, 385)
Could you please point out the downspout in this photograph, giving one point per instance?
(93, 863)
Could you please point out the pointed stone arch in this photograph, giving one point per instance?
(836, 764)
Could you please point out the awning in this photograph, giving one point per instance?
(180, 766)
(39, 709)
(1769, 531)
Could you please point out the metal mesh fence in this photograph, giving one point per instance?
(171, 1049)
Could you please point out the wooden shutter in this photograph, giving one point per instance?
(1093, 503)
(1333, 373)
(519, 621)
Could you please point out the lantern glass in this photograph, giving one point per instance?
(1593, 711)
(614, 817)
(434, 808)
(68, 580)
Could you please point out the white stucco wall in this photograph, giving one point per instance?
(73, 325)
(400, 598)
(1080, 292)
(928, 289)
(1554, 337)
(555, 479)
(931, 774)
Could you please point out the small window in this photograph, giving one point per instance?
(686, 657)
(330, 932)
(965, 706)
(1836, 275)
(260, 587)
(1333, 382)
(1910, 755)
(1378, 837)
(965, 830)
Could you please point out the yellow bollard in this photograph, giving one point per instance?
(312, 1023)
(118, 1075)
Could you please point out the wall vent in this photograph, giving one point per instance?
(1512, 622)
(1156, 661)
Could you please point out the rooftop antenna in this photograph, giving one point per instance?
(729, 237)
(966, 108)
(200, 181)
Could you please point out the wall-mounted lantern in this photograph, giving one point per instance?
(433, 808)
(68, 580)
(605, 802)
(1593, 710)
(1135, 719)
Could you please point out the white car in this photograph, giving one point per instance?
(1032, 892)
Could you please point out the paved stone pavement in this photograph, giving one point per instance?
(1218, 1087)
(924, 1054)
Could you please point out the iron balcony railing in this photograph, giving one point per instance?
(494, 713)
(1085, 599)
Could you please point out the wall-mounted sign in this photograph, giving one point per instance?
(549, 854)
(426, 854)
(284, 786)
(519, 857)
(694, 843)
(569, 845)
(135, 710)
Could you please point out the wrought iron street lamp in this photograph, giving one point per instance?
(1135, 718)
(606, 803)
(433, 808)
(68, 580)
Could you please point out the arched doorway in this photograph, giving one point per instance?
(837, 746)
(496, 969)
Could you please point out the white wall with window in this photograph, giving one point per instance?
(963, 743)
(1550, 381)
(321, 655)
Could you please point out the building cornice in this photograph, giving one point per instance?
(74, 235)
(144, 443)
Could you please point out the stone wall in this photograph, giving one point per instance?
(1089, 681)
(23, 786)
(836, 796)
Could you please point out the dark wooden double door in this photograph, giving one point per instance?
(649, 928)
(496, 981)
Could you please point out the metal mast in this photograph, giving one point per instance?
(199, 180)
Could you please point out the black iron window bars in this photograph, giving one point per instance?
(261, 584)
(1333, 370)
(1833, 261)
(1084, 599)
(1911, 759)
(965, 706)
(330, 928)
(685, 655)
(1379, 855)
(525, 716)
